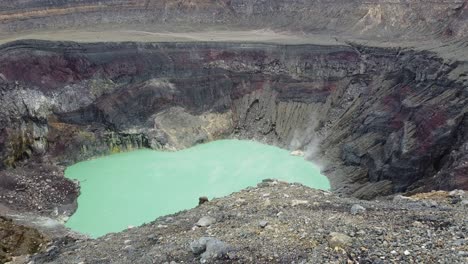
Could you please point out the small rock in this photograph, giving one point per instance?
(379, 231)
(202, 200)
(357, 209)
(298, 202)
(129, 249)
(268, 180)
(463, 253)
(406, 252)
(456, 200)
(215, 249)
(430, 203)
(339, 240)
(151, 237)
(464, 202)
(199, 246)
(127, 241)
(206, 221)
(361, 232)
(393, 252)
(298, 153)
(456, 193)
(209, 248)
(400, 198)
(263, 224)
(52, 248)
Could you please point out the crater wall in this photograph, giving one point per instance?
(402, 19)
(378, 120)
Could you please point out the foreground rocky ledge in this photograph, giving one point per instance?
(278, 222)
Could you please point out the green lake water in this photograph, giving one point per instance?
(129, 189)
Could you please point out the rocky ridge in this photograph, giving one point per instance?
(371, 19)
(278, 222)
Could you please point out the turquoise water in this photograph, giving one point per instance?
(129, 189)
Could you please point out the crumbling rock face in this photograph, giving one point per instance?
(379, 120)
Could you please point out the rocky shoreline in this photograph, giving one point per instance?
(278, 222)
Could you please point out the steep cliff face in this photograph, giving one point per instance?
(379, 120)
